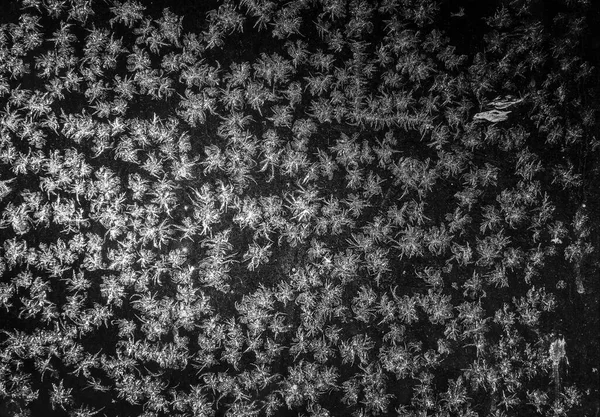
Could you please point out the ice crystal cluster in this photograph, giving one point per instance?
(303, 208)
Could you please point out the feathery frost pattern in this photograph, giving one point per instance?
(304, 208)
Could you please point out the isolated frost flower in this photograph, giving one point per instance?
(257, 255)
(60, 396)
